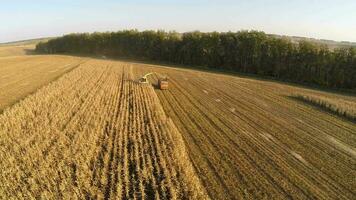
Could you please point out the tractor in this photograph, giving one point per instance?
(162, 82)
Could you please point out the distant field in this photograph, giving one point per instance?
(330, 43)
(18, 50)
(96, 133)
(25, 42)
(20, 76)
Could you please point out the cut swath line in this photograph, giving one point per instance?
(342, 146)
(299, 157)
(300, 120)
(233, 110)
(267, 136)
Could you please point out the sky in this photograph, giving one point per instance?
(322, 19)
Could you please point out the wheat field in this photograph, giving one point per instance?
(95, 133)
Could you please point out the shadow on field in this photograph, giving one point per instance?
(155, 86)
(30, 52)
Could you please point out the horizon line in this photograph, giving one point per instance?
(90, 32)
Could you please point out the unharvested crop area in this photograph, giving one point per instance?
(341, 107)
(20, 76)
(96, 133)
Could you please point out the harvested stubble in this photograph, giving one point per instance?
(256, 143)
(94, 133)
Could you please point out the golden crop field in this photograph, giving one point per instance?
(96, 133)
(20, 76)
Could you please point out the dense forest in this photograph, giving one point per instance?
(244, 51)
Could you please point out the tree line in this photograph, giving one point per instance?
(244, 51)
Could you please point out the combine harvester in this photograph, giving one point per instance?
(162, 82)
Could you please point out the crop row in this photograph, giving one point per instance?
(94, 133)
